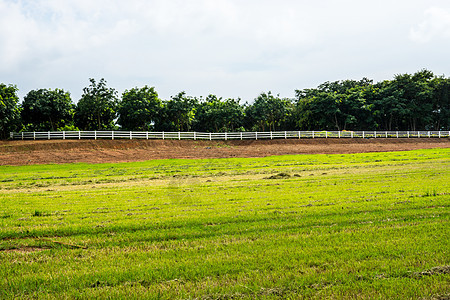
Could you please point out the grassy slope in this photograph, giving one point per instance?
(339, 226)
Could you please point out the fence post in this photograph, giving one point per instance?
(22, 135)
(271, 134)
(34, 135)
(163, 135)
(131, 136)
(363, 134)
(64, 135)
(418, 134)
(439, 134)
(313, 134)
(352, 134)
(241, 135)
(112, 135)
(256, 135)
(95, 134)
(396, 133)
(194, 136)
(429, 134)
(225, 135)
(285, 135)
(49, 135)
(210, 138)
(375, 134)
(339, 134)
(408, 134)
(79, 135)
(386, 134)
(179, 135)
(146, 135)
(299, 134)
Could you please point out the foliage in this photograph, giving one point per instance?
(418, 101)
(409, 102)
(440, 114)
(139, 109)
(9, 109)
(178, 113)
(96, 109)
(293, 227)
(217, 115)
(268, 112)
(47, 110)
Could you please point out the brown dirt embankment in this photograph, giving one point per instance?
(109, 151)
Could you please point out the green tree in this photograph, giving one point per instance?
(9, 109)
(217, 115)
(268, 112)
(46, 109)
(139, 109)
(390, 110)
(316, 110)
(178, 113)
(96, 109)
(441, 103)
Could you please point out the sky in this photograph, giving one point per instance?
(230, 48)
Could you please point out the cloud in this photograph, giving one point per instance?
(234, 47)
(436, 25)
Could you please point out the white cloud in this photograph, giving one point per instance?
(435, 26)
(204, 46)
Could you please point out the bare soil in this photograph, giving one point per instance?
(110, 151)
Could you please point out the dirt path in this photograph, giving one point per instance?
(108, 151)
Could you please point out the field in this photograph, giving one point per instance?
(365, 225)
(108, 151)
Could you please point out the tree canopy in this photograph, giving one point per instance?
(418, 101)
(96, 109)
(47, 110)
(9, 109)
(139, 109)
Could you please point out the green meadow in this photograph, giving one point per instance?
(359, 226)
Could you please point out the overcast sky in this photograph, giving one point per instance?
(231, 48)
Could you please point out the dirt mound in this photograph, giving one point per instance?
(108, 151)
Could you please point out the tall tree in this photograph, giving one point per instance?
(47, 109)
(441, 103)
(217, 115)
(139, 109)
(96, 109)
(178, 113)
(316, 110)
(9, 109)
(268, 112)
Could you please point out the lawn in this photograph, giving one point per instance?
(360, 226)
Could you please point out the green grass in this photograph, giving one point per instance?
(307, 226)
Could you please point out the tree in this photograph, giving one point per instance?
(9, 109)
(96, 109)
(441, 103)
(139, 109)
(46, 109)
(178, 113)
(316, 110)
(217, 115)
(268, 112)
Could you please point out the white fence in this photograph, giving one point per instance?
(49, 135)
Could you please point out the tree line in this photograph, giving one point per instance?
(418, 101)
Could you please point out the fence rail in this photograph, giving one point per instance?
(50, 135)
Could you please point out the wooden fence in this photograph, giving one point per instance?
(49, 135)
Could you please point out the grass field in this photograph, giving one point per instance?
(307, 226)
